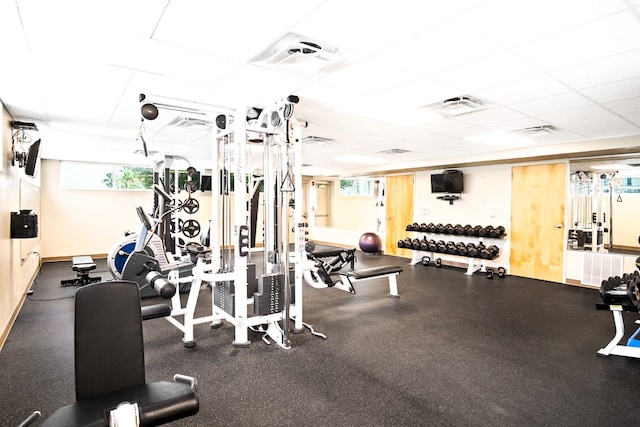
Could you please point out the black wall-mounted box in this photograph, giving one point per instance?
(24, 224)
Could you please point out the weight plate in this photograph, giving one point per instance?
(191, 228)
(191, 206)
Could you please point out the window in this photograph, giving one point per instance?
(356, 187)
(93, 176)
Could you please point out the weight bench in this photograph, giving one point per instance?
(110, 364)
(82, 265)
(349, 278)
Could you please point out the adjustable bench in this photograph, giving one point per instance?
(82, 265)
(349, 278)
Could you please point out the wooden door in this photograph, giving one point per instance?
(399, 198)
(538, 195)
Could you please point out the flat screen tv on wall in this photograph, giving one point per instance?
(447, 182)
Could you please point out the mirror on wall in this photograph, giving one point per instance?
(604, 200)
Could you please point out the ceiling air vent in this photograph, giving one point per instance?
(299, 55)
(394, 151)
(315, 140)
(457, 106)
(534, 131)
(191, 123)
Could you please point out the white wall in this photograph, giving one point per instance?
(19, 260)
(90, 222)
(486, 201)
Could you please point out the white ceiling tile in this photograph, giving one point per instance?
(494, 70)
(490, 115)
(369, 77)
(592, 115)
(357, 27)
(605, 70)
(206, 26)
(247, 87)
(626, 105)
(604, 37)
(418, 93)
(613, 91)
(521, 22)
(523, 90)
(552, 103)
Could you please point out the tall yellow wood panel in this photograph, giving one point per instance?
(538, 195)
(399, 211)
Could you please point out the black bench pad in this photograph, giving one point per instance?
(155, 311)
(374, 271)
(159, 402)
(325, 253)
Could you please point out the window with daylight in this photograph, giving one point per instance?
(356, 187)
(96, 176)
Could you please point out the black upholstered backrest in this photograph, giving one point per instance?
(109, 351)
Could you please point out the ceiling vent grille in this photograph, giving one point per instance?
(191, 123)
(458, 106)
(315, 140)
(394, 151)
(534, 131)
(299, 55)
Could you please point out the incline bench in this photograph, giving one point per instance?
(82, 265)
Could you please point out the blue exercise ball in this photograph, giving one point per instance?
(370, 243)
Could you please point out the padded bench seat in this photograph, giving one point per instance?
(347, 279)
(367, 273)
(160, 402)
(82, 265)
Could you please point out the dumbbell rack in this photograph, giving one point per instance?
(474, 265)
(614, 346)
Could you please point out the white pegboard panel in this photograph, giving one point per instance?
(598, 267)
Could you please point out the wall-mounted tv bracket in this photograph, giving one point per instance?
(449, 198)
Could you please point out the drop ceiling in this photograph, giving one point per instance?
(77, 68)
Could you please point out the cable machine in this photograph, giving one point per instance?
(275, 294)
(589, 215)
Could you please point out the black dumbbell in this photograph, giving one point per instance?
(423, 227)
(448, 229)
(472, 251)
(433, 246)
(462, 249)
(415, 244)
(431, 228)
(441, 246)
(424, 245)
(452, 248)
(401, 243)
(473, 231)
(497, 232)
(484, 232)
(410, 227)
(489, 252)
(462, 231)
(439, 229)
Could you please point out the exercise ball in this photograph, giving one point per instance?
(370, 243)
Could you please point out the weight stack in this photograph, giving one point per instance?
(224, 296)
(270, 298)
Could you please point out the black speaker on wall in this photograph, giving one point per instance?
(24, 224)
